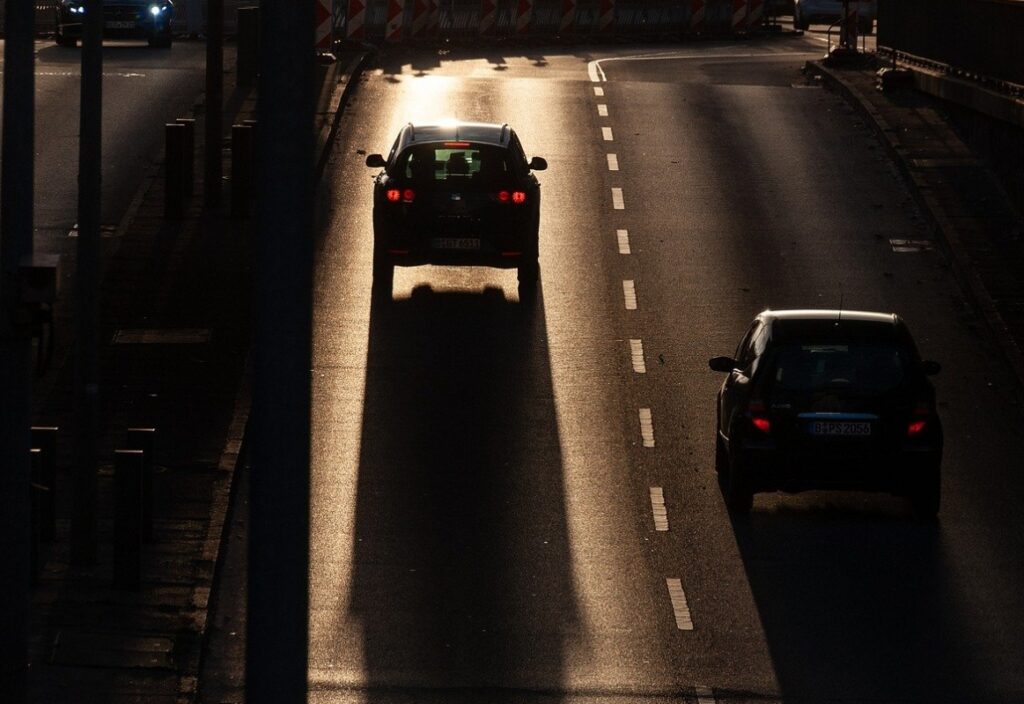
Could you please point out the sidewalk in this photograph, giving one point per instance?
(174, 337)
(970, 213)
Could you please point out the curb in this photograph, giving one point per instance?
(963, 268)
(232, 455)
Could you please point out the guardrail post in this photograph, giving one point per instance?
(189, 151)
(37, 490)
(247, 62)
(128, 466)
(174, 169)
(45, 438)
(241, 170)
(145, 439)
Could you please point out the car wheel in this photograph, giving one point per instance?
(739, 498)
(926, 496)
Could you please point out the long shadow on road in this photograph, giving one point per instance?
(462, 577)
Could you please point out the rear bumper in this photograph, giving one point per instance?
(503, 249)
(897, 472)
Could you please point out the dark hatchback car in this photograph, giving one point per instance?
(828, 399)
(460, 193)
(122, 19)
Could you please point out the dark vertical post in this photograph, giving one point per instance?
(174, 170)
(145, 439)
(16, 200)
(36, 492)
(248, 46)
(189, 153)
(45, 438)
(128, 519)
(87, 385)
(276, 656)
(241, 170)
(214, 101)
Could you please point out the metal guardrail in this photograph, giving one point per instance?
(977, 38)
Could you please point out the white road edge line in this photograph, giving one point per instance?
(613, 162)
(602, 110)
(629, 294)
(658, 509)
(636, 353)
(623, 238)
(606, 134)
(596, 72)
(617, 202)
(646, 427)
(679, 606)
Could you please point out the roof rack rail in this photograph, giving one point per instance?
(504, 129)
(412, 132)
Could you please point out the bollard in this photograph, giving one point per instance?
(128, 519)
(36, 492)
(145, 439)
(241, 170)
(45, 438)
(189, 175)
(248, 47)
(174, 168)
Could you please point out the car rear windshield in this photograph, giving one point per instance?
(862, 367)
(453, 163)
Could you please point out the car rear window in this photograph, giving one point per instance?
(462, 163)
(868, 367)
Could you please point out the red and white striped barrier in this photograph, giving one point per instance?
(420, 18)
(324, 26)
(568, 16)
(433, 17)
(606, 16)
(395, 19)
(697, 8)
(755, 14)
(488, 15)
(739, 15)
(355, 21)
(524, 15)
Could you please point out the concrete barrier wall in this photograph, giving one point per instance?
(972, 36)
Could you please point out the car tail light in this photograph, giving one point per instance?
(408, 195)
(919, 419)
(504, 196)
(394, 195)
(518, 197)
(758, 415)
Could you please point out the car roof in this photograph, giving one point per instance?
(829, 314)
(457, 131)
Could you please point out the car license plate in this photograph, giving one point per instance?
(840, 428)
(455, 243)
(119, 24)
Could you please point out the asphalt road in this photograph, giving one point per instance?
(143, 89)
(485, 477)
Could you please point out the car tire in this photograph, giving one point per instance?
(926, 496)
(739, 497)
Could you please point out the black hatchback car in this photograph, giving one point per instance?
(459, 193)
(122, 19)
(828, 399)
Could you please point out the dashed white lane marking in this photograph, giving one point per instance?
(599, 91)
(646, 427)
(679, 606)
(596, 72)
(602, 110)
(658, 509)
(629, 293)
(617, 202)
(613, 162)
(606, 133)
(705, 695)
(623, 238)
(636, 353)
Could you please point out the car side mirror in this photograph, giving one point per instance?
(376, 161)
(930, 368)
(722, 364)
(538, 163)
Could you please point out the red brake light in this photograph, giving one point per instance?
(393, 195)
(457, 145)
(518, 197)
(920, 419)
(408, 195)
(757, 412)
(504, 196)
(916, 427)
